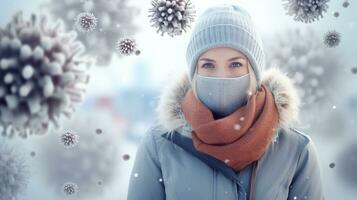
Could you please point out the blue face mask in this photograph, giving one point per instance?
(222, 95)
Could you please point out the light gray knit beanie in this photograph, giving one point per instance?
(226, 25)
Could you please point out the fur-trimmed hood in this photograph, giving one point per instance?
(170, 116)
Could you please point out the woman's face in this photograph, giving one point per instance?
(222, 62)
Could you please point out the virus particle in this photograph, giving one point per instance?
(100, 182)
(312, 67)
(69, 139)
(126, 157)
(336, 14)
(347, 159)
(70, 188)
(43, 75)
(86, 22)
(33, 154)
(115, 19)
(171, 16)
(90, 161)
(354, 70)
(127, 47)
(13, 173)
(332, 39)
(345, 4)
(306, 11)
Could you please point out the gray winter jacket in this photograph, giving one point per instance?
(164, 169)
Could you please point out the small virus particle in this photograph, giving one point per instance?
(126, 157)
(86, 22)
(171, 16)
(332, 39)
(100, 182)
(306, 11)
(336, 14)
(33, 154)
(333, 107)
(70, 188)
(345, 4)
(127, 46)
(332, 165)
(136, 175)
(98, 131)
(69, 139)
(160, 179)
(354, 70)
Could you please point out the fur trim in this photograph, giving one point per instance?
(170, 116)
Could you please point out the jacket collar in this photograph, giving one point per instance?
(170, 116)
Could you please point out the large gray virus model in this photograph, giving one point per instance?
(43, 75)
(306, 11)
(171, 16)
(105, 21)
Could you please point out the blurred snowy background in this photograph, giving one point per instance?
(118, 105)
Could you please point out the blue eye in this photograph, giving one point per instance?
(236, 64)
(208, 65)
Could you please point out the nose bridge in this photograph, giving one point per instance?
(222, 70)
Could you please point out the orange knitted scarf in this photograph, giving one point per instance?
(239, 138)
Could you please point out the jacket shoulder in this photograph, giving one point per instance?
(303, 137)
(293, 141)
(153, 139)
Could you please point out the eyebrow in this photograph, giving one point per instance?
(234, 58)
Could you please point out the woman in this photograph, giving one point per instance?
(224, 129)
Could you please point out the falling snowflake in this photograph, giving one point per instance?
(313, 68)
(70, 188)
(115, 19)
(332, 39)
(90, 161)
(69, 139)
(345, 4)
(306, 11)
(127, 47)
(171, 16)
(43, 75)
(13, 173)
(86, 22)
(237, 127)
